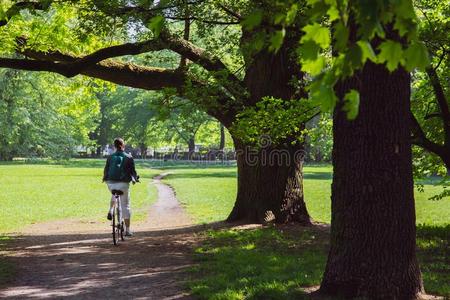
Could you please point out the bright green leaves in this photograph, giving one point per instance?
(291, 14)
(336, 54)
(252, 20)
(416, 55)
(314, 67)
(276, 118)
(324, 96)
(351, 104)
(317, 33)
(316, 38)
(366, 51)
(391, 53)
(156, 24)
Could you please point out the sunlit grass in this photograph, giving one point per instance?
(33, 193)
(259, 264)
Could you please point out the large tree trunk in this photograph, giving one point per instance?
(373, 229)
(270, 185)
(270, 179)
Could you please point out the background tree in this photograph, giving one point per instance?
(40, 124)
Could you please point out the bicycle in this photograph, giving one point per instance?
(119, 228)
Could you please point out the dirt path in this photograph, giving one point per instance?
(69, 259)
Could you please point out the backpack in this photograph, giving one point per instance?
(116, 170)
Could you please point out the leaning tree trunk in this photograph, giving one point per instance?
(373, 229)
(270, 185)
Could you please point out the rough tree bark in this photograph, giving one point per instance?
(373, 229)
(270, 185)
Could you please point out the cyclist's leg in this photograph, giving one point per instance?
(112, 202)
(126, 209)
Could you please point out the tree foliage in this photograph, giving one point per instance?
(44, 115)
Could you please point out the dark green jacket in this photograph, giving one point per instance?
(129, 168)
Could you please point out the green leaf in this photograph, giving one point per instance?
(367, 51)
(405, 9)
(276, 40)
(416, 56)
(313, 67)
(252, 20)
(291, 14)
(317, 33)
(325, 97)
(333, 13)
(156, 23)
(341, 34)
(351, 104)
(354, 57)
(404, 26)
(309, 50)
(391, 53)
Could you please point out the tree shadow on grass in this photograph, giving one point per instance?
(179, 164)
(69, 163)
(267, 263)
(318, 175)
(433, 252)
(273, 263)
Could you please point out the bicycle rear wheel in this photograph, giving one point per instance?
(114, 229)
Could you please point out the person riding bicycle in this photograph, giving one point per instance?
(118, 173)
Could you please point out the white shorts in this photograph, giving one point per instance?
(125, 198)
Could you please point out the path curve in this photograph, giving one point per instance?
(74, 260)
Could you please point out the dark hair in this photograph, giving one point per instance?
(118, 143)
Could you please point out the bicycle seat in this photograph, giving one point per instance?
(116, 192)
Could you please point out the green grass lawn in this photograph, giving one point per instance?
(43, 192)
(276, 263)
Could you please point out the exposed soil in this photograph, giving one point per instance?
(73, 259)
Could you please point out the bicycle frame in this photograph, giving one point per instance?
(117, 229)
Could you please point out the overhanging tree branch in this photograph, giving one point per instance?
(420, 139)
(124, 74)
(201, 57)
